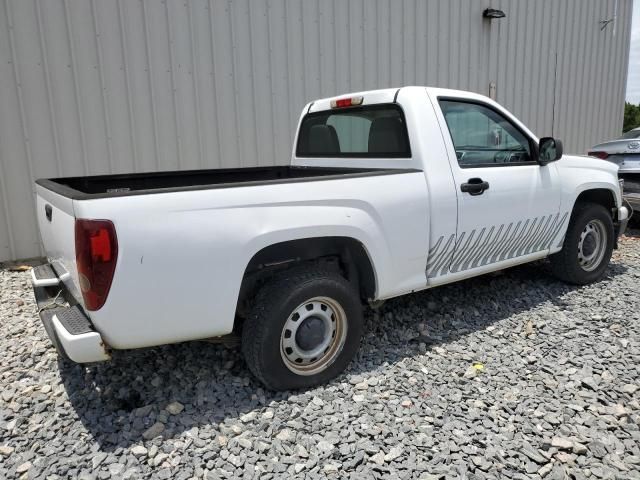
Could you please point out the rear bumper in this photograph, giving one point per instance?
(627, 163)
(68, 328)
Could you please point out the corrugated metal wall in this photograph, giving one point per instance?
(97, 86)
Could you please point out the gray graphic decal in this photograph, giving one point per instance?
(494, 244)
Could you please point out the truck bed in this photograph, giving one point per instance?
(103, 186)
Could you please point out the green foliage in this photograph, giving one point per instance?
(631, 116)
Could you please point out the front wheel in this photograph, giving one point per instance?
(587, 247)
(303, 330)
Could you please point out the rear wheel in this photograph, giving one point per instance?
(303, 330)
(587, 247)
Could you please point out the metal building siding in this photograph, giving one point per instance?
(101, 86)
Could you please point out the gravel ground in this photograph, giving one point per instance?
(512, 375)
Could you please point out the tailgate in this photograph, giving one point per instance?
(56, 222)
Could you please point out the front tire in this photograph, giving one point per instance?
(303, 330)
(587, 247)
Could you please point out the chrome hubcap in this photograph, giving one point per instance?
(592, 245)
(313, 336)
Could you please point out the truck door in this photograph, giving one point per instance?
(508, 204)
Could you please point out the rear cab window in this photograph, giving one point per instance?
(366, 131)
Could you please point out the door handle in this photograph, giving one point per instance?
(474, 186)
(48, 211)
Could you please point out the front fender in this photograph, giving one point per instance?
(579, 174)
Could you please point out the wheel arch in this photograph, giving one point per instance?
(600, 195)
(346, 254)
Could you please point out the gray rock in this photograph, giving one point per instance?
(533, 454)
(562, 443)
(153, 431)
(324, 446)
(139, 451)
(378, 458)
(579, 449)
(23, 467)
(159, 459)
(331, 468)
(174, 408)
(598, 449)
(6, 450)
(394, 453)
(143, 411)
(98, 459)
(559, 403)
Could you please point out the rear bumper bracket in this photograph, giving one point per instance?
(68, 327)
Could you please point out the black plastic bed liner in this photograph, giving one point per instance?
(104, 186)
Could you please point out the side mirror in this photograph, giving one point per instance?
(549, 150)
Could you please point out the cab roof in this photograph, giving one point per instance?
(386, 95)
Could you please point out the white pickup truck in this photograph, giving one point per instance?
(388, 192)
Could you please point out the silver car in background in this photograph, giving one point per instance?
(624, 151)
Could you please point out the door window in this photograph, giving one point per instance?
(482, 137)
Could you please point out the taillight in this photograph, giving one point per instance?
(602, 155)
(96, 255)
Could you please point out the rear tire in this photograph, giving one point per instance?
(303, 330)
(587, 247)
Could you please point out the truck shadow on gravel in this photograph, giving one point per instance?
(119, 400)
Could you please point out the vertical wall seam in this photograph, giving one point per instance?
(194, 74)
(601, 73)
(364, 44)
(23, 116)
(234, 70)
(253, 86)
(564, 65)
(334, 41)
(538, 35)
(103, 92)
(377, 50)
(525, 57)
(319, 55)
(594, 42)
(270, 79)
(389, 77)
(5, 202)
(76, 87)
(152, 97)
(350, 85)
(333, 80)
(127, 85)
(613, 91)
(498, 72)
(215, 86)
(625, 40)
(579, 93)
(47, 82)
(290, 105)
(170, 40)
(302, 66)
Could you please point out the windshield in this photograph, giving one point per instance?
(630, 134)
